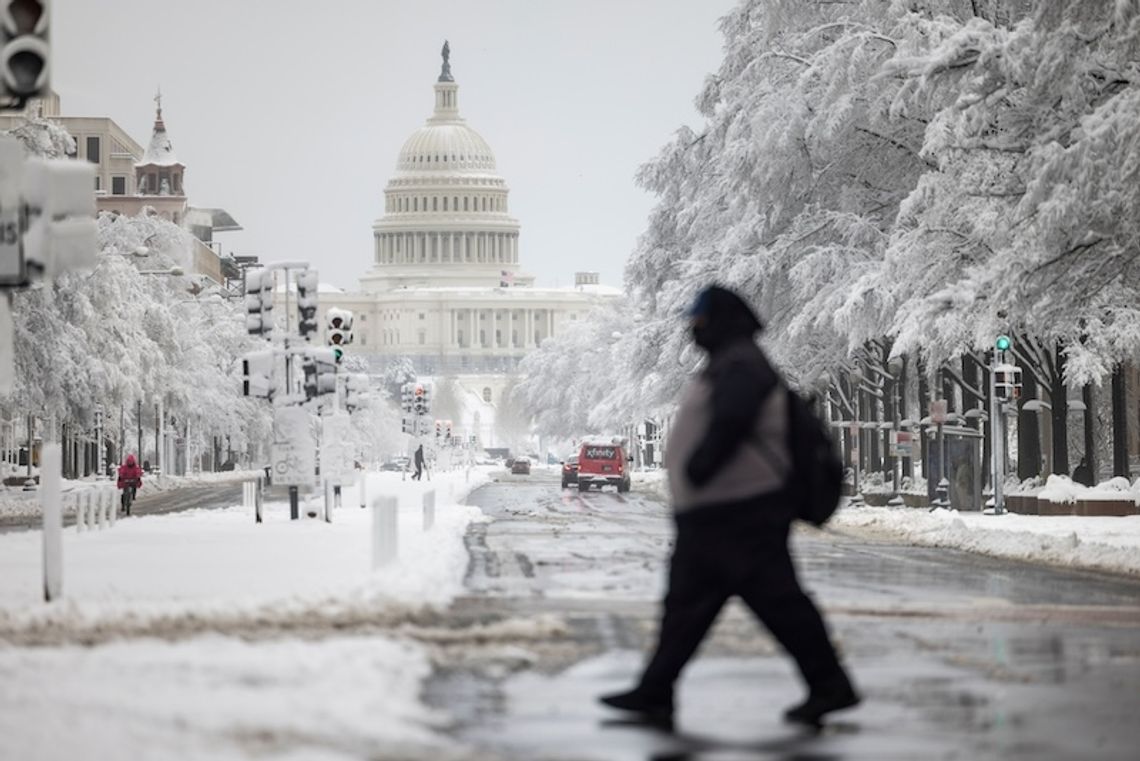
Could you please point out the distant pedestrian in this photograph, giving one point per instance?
(1083, 473)
(419, 458)
(129, 481)
(728, 463)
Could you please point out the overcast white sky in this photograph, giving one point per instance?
(289, 114)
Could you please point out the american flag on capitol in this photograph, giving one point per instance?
(506, 279)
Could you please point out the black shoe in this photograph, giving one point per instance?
(650, 710)
(834, 695)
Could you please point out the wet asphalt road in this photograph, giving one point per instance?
(957, 655)
(208, 496)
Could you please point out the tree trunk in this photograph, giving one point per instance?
(1028, 428)
(977, 374)
(1088, 396)
(1119, 423)
(923, 412)
(875, 436)
(1060, 414)
(947, 386)
(31, 441)
(907, 462)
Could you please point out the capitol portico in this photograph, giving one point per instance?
(445, 288)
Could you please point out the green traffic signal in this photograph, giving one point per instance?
(1002, 343)
(338, 353)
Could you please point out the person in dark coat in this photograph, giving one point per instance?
(728, 463)
(1083, 473)
(419, 458)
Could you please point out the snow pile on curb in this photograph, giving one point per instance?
(220, 698)
(1103, 544)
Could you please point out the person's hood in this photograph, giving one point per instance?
(131, 462)
(721, 317)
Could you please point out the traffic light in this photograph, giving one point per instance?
(447, 424)
(439, 429)
(59, 206)
(419, 399)
(323, 363)
(407, 426)
(339, 330)
(355, 389)
(257, 374)
(307, 282)
(24, 51)
(259, 301)
(1002, 343)
(406, 398)
(1007, 382)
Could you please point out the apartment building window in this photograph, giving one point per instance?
(98, 183)
(118, 185)
(93, 150)
(423, 337)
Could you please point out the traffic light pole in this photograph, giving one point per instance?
(997, 429)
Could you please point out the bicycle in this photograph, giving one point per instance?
(128, 497)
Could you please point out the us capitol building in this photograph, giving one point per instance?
(445, 288)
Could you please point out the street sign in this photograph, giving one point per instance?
(902, 443)
(938, 410)
(294, 453)
(337, 465)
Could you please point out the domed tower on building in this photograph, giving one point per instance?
(446, 219)
(159, 173)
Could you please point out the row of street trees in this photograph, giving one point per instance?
(893, 184)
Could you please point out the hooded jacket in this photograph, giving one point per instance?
(130, 471)
(728, 441)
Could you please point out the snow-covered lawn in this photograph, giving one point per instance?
(220, 564)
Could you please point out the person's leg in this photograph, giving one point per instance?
(774, 594)
(691, 606)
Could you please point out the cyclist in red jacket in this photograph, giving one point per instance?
(130, 480)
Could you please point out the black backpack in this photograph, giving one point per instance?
(816, 479)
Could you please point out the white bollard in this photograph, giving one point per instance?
(51, 463)
(363, 488)
(80, 513)
(429, 509)
(109, 504)
(257, 499)
(385, 542)
(96, 506)
(328, 501)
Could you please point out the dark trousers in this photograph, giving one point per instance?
(738, 549)
(419, 472)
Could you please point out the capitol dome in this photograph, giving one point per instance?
(449, 146)
(446, 220)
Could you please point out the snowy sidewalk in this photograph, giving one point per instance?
(17, 503)
(1100, 544)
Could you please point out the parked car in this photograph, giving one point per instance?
(521, 466)
(602, 464)
(570, 471)
(396, 463)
